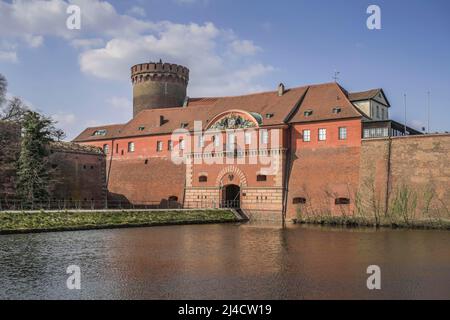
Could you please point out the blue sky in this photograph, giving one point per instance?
(81, 77)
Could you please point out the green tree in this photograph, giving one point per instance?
(32, 172)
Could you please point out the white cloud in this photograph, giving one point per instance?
(244, 47)
(87, 43)
(137, 11)
(110, 43)
(202, 48)
(8, 56)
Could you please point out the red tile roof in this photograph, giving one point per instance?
(321, 99)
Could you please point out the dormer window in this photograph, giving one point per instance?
(141, 128)
(308, 113)
(269, 115)
(101, 132)
(184, 125)
(336, 110)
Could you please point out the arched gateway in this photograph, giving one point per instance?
(231, 196)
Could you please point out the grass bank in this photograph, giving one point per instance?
(41, 221)
(355, 221)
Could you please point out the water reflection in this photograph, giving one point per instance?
(250, 261)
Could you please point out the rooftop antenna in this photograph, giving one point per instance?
(429, 110)
(336, 75)
(404, 96)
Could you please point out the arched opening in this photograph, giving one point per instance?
(231, 196)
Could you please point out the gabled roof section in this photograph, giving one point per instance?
(325, 102)
(271, 108)
(369, 95)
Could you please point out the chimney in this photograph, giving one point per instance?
(281, 89)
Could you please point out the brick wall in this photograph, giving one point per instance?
(419, 164)
(77, 175)
(321, 171)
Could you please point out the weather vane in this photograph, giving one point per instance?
(336, 75)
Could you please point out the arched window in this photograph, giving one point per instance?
(299, 200)
(202, 179)
(342, 201)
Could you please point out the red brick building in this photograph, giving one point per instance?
(268, 153)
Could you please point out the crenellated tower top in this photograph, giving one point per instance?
(158, 85)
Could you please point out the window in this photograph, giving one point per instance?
(173, 199)
(308, 113)
(201, 141)
(231, 141)
(342, 201)
(105, 148)
(264, 137)
(299, 200)
(184, 125)
(378, 112)
(306, 135)
(141, 128)
(261, 177)
(202, 179)
(343, 133)
(248, 138)
(382, 114)
(117, 148)
(170, 145)
(101, 132)
(216, 140)
(269, 115)
(182, 144)
(336, 110)
(130, 146)
(159, 146)
(322, 134)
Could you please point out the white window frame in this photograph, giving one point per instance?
(159, 146)
(342, 133)
(264, 136)
(182, 144)
(306, 135)
(322, 134)
(248, 138)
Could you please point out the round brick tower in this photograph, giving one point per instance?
(158, 85)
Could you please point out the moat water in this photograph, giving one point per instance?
(229, 261)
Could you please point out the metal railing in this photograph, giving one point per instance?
(20, 205)
(13, 204)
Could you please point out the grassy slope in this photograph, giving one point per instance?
(368, 222)
(22, 221)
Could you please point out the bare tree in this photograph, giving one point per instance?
(13, 111)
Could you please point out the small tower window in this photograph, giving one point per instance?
(202, 179)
